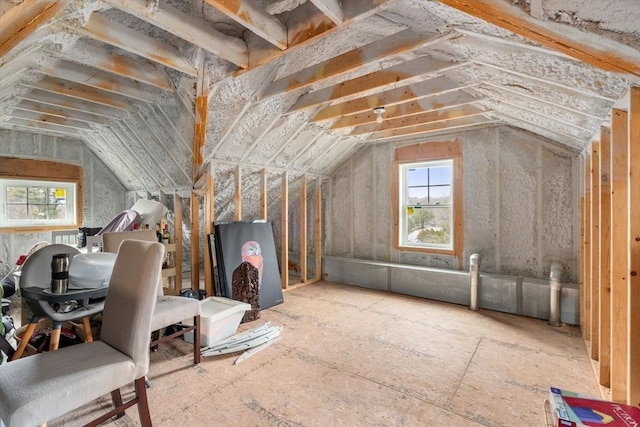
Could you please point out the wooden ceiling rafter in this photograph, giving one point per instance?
(556, 36)
(190, 28)
(74, 103)
(63, 112)
(331, 8)
(49, 119)
(37, 125)
(79, 91)
(370, 125)
(115, 34)
(452, 123)
(394, 76)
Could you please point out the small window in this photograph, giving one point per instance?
(37, 203)
(426, 204)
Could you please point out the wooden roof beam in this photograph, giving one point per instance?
(115, 34)
(398, 75)
(591, 49)
(253, 17)
(79, 91)
(76, 104)
(446, 125)
(401, 95)
(140, 70)
(190, 28)
(33, 126)
(394, 44)
(62, 112)
(419, 119)
(49, 119)
(26, 18)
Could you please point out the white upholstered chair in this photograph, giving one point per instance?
(170, 310)
(42, 387)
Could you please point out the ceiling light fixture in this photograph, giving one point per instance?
(379, 111)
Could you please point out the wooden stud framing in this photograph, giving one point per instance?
(586, 243)
(237, 194)
(595, 249)
(284, 221)
(209, 217)
(177, 235)
(263, 194)
(303, 230)
(604, 274)
(195, 241)
(318, 229)
(633, 286)
(583, 260)
(619, 247)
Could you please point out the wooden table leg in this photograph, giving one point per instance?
(25, 339)
(88, 335)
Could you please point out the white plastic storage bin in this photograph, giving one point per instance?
(219, 319)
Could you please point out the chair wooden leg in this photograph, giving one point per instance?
(116, 398)
(143, 404)
(54, 342)
(88, 334)
(196, 340)
(25, 339)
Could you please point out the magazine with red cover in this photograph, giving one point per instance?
(575, 410)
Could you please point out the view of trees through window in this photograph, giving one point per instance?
(35, 203)
(428, 204)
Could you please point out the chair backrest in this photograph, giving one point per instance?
(111, 241)
(131, 300)
(36, 270)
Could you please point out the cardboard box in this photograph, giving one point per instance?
(571, 409)
(219, 319)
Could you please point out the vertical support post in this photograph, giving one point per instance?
(264, 199)
(583, 260)
(595, 249)
(195, 241)
(209, 216)
(619, 247)
(177, 231)
(604, 374)
(633, 305)
(284, 226)
(303, 230)
(474, 276)
(586, 242)
(318, 229)
(237, 194)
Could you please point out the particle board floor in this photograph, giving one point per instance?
(350, 356)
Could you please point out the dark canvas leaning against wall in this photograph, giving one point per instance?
(237, 242)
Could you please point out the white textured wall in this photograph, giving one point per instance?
(103, 198)
(519, 206)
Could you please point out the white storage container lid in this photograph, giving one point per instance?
(91, 270)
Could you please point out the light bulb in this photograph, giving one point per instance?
(379, 111)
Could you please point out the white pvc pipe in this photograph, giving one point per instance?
(555, 287)
(474, 274)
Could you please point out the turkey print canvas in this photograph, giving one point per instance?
(251, 242)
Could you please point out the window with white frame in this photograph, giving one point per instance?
(426, 204)
(25, 203)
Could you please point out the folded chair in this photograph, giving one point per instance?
(170, 310)
(42, 387)
(36, 272)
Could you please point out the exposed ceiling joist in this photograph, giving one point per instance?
(35, 126)
(115, 34)
(405, 73)
(78, 104)
(394, 44)
(454, 123)
(46, 118)
(401, 95)
(140, 70)
(189, 28)
(101, 81)
(331, 8)
(560, 37)
(22, 20)
(371, 126)
(79, 91)
(253, 17)
(62, 112)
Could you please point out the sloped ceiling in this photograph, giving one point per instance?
(292, 84)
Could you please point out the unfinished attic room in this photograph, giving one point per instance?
(320, 213)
